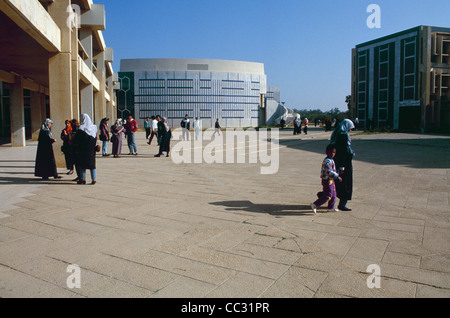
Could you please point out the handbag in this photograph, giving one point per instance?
(97, 148)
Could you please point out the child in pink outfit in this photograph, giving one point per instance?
(328, 175)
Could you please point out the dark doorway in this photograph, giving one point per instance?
(409, 118)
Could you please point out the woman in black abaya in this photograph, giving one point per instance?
(45, 164)
(343, 160)
(166, 135)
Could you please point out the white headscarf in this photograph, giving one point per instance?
(166, 124)
(45, 127)
(118, 123)
(343, 128)
(87, 126)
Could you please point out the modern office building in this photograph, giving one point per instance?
(273, 93)
(272, 106)
(401, 81)
(232, 91)
(53, 63)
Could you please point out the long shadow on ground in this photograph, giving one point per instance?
(272, 209)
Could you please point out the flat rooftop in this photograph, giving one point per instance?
(207, 65)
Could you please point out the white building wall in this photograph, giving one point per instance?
(233, 97)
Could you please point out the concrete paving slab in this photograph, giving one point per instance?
(153, 228)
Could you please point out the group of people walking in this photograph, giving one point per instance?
(80, 143)
(80, 147)
(155, 127)
(298, 124)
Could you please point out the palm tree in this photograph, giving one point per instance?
(348, 101)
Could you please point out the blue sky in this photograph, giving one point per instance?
(305, 45)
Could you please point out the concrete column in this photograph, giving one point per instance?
(110, 105)
(44, 106)
(100, 106)
(75, 76)
(86, 42)
(87, 100)
(36, 114)
(108, 112)
(17, 114)
(100, 97)
(60, 77)
(87, 92)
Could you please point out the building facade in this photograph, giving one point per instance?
(54, 63)
(272, 106)
(401, 81)
(231, 91)
(273, 93)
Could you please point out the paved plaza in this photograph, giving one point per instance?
(154, 228)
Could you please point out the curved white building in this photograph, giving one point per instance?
(232, 91)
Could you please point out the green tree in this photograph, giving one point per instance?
(348, 101)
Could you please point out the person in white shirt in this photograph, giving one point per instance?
(154, 129)
(197, 127)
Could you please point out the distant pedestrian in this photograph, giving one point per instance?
(85, 145)
(166, 135)
(344, 156)
(197, 127)
(298, 125)
(131, 128)
(295, 126)
(67, 149)
(154, 128)
(327, 124)
(305, 125)
(217, 127)
(45, 164)
(147, 127)
(117, 136)
(328, 175)
(185, 125)
(104, 136)
(161, 128)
